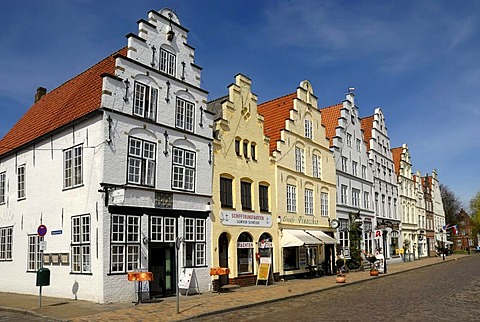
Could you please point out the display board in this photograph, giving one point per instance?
(188, 281)
(263, 272)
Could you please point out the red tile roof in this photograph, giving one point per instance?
(330, 116)
(275, 113)
(367, 126)
(72, 100)
(397, 157)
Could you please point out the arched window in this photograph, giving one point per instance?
(245, 254)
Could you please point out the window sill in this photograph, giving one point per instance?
(73, 187)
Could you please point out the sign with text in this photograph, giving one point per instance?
(263, 271)
(234, 218)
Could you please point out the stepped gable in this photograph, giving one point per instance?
(70, 101)
(330, 116)
(275, 113)
(367, 126)
(397, 157)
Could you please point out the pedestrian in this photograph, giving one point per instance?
(468, 250)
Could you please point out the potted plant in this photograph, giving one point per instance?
(341, 277)
(372, 259)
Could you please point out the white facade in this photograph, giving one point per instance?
(384, 180)
(408, 195)
(420, 236)
(354, 175)
(139, 180)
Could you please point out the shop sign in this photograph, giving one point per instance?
(245, 245)
(300, 220)
(118, 196)
(233, 218)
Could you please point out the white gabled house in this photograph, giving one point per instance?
(116, 163)
(353, 173)
(385, 186)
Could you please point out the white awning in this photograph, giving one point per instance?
(296, 238)
(323, 237)
(447, 242)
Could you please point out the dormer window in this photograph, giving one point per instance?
(167, 62)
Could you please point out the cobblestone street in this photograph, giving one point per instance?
(440, 293)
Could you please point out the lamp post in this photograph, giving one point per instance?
(384, 236)
(443, 243)
(178, 244)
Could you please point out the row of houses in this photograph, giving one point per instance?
(127, 167)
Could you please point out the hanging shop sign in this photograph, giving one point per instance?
(245, 245)
(234, 218)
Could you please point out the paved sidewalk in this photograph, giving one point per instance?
(194, 305)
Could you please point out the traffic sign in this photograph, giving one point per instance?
(42, 230)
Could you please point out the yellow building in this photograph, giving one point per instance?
(305, 182)
(244, 221)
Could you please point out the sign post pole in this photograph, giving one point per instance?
(41, 231)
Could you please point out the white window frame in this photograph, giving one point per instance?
(167, 62)
(145, 100)
(324, 204)
(308, 201)
(125, 243)
(355, 168)
(344, 164)
(355, 197)
(73, 167)
(299, 160)
(21, 182)
(359, 145)
(349, 140)
(291, 198)
(183, 169)
(195, 242)
(3, 184)
(34, 260)
(343, 194)
(317, 166)
(6, 243)
(170, 229)
(80, 244)
(364, 172)
(308, 129)
(141, 162)
(366, 200)
(184, 114)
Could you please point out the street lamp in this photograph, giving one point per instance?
(443, 243)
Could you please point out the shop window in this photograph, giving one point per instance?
(125, 243)
(195, 243)
(290, 258)
(245, 254)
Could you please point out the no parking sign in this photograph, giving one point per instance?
(42, 230)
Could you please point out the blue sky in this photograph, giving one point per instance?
(417, 60)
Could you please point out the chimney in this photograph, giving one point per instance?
(40, 92)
